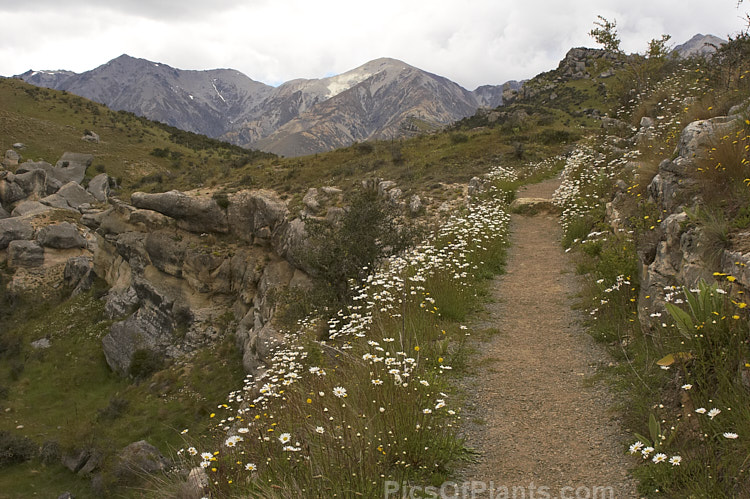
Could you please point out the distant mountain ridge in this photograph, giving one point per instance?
(699, 45)
(383, 98)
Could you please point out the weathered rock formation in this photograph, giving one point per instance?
(674, 254)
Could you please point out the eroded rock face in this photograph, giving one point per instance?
(15, 228)
(99, 187)
(676, 257)
(256, 214)
(149, 328)
(25, 254)
(63, 235)
(195, 214)
(72, 167)
(171, 278)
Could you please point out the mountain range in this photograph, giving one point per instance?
(384, 98)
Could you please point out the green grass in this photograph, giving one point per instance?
(50, 122)
(62, 391)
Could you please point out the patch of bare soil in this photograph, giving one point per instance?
(537, 419)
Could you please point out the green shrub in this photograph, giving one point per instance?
(368, 231)
(221, 199)
(458, 138)
(144, 363)
(50, 452)
(159, 152)
(15, 448)
(116, 408)
(552, 137)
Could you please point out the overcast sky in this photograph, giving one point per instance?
(472, 42)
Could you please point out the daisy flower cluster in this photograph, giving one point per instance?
(659, 457)
(587, 177)
(362, 396)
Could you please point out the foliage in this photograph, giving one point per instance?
(15, 448)
(605, 34)
(658, 48)
(368, 231)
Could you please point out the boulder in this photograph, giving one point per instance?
(193, 213)
(139, 458)
(250, 211)
(90, 136)
(33, 183)
(12, 229)
(72, 167)
(646, 131)
(29, 208)
(99, 187)
(11, 158)
(41, 344)
(331, 191)
(74, 461)
(3, 213)
(149, 328)
(476, 185)
(74, 195)
(63, 235)
(311, 200)
(25, 254)
(335, 215)
(415, 204)
(384, 186)
(197, 482)
(79, 274)
(699, 136)
(19, 145)
(53, 177)
(10, 192)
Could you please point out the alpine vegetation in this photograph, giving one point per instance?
(348, 404)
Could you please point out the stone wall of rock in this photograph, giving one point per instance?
(674, 254)
(40, 237)
(182, 269)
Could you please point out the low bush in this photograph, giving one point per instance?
(15, 448)
(144, 363)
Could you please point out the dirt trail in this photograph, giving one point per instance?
(536, 418)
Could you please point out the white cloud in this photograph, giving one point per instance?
(473, 42)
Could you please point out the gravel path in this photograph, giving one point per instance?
(535, 418)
